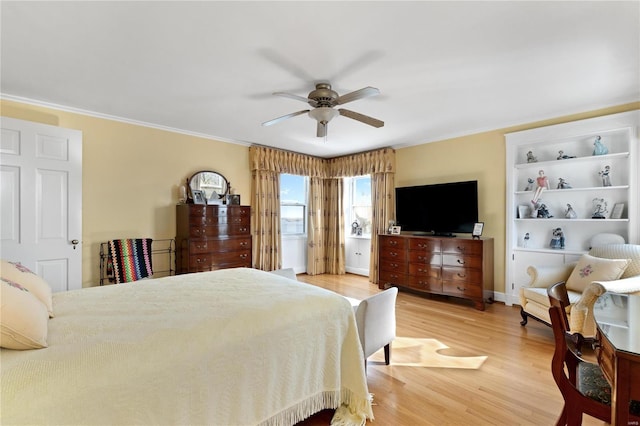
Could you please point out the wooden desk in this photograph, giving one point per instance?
(618, 319)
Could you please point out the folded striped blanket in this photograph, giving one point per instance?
(129, 260)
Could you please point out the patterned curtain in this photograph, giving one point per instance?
(265, 220)
(325, 237)
(326, 221)
(384, 209)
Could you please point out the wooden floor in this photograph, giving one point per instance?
(514, 386)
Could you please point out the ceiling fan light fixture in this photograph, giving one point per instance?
(323, 114)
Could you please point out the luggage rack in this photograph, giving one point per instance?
(163, 258)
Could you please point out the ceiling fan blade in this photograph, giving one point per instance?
(322, 130)
(358, 94)
(297, 98)
(361, 117)
(284, 117)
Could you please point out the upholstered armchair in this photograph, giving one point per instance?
(611, 267)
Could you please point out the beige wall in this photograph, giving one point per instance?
(478, 157)
(131, 174)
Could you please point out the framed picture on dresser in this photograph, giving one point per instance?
(233, 199)
(198, 197)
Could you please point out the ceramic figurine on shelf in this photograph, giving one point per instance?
(599, 148)
(570, 213)
(599, 208)
(562, 156)
(557, 241)
(543, 212)
(529, 186)
(526, 240)
(604, 174)
(542, 183)
(531, 158)
(563, 184)
(535, 206)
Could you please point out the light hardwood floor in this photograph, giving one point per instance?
(514, 386)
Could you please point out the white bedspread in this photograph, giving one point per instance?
(230, 347)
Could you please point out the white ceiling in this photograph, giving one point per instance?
(444, 69)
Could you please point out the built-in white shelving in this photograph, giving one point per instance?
(619, 134)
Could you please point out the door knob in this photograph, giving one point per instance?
(75, 243)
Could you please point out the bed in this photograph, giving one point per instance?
(229, 347)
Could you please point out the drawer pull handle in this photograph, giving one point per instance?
(243, 256)
(393, 243)
(460, 261)
(394, 254)
(244, 244)
(462, 275)
(198, 260)
(243, 229)
(461, 248)
(198, 246)
(461, 288)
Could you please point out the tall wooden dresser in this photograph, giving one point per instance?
(210, 237)
(460, 267)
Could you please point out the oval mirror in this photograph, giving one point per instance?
(213, 184)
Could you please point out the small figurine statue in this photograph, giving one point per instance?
(563, 184)
(531, 158)
(599, 208)
(526, 240)
(557, 241)
(543, 212)
(562, 156)
(391, 225)
(542, 183)
(570, 213)
(606, 180)
(599, 148)
(529, 186)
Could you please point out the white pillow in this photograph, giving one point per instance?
(23, 318)
(17, 273)
(591, 268)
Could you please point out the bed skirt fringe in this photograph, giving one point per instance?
(351, 410)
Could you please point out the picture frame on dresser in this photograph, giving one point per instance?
(233, 199)
(198, 196)
(477, 229)
(395, 230)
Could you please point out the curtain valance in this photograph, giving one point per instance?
(364, 163)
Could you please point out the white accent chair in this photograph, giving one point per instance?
(376, 320)
(534, 301)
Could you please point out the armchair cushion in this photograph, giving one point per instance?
(621, 251)
(591, 268)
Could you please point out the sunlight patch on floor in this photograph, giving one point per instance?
(414, 352)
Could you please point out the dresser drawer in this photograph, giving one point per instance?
(424, 244)
(393, 254)
(425, 257)
(218, 230)
(233, 258)
(473, 247)
(392, 277)
(462, 274)
(421, 270)
(395, 243)
(392, 266)
(231, 244)
(462, 260)
(462, 289)
(425, 283)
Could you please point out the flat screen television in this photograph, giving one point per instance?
(439, 209)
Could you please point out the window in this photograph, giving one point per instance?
(358, 205)
(293, 204)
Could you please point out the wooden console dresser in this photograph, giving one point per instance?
(210, 237)
(460, 267)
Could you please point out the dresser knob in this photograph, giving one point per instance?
(461, 288)
(462, 275)
(460, 261)
(243, 256)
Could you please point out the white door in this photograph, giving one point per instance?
(41, 200)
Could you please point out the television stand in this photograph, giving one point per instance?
(451, 266)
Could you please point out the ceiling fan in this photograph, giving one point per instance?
(323, 99)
